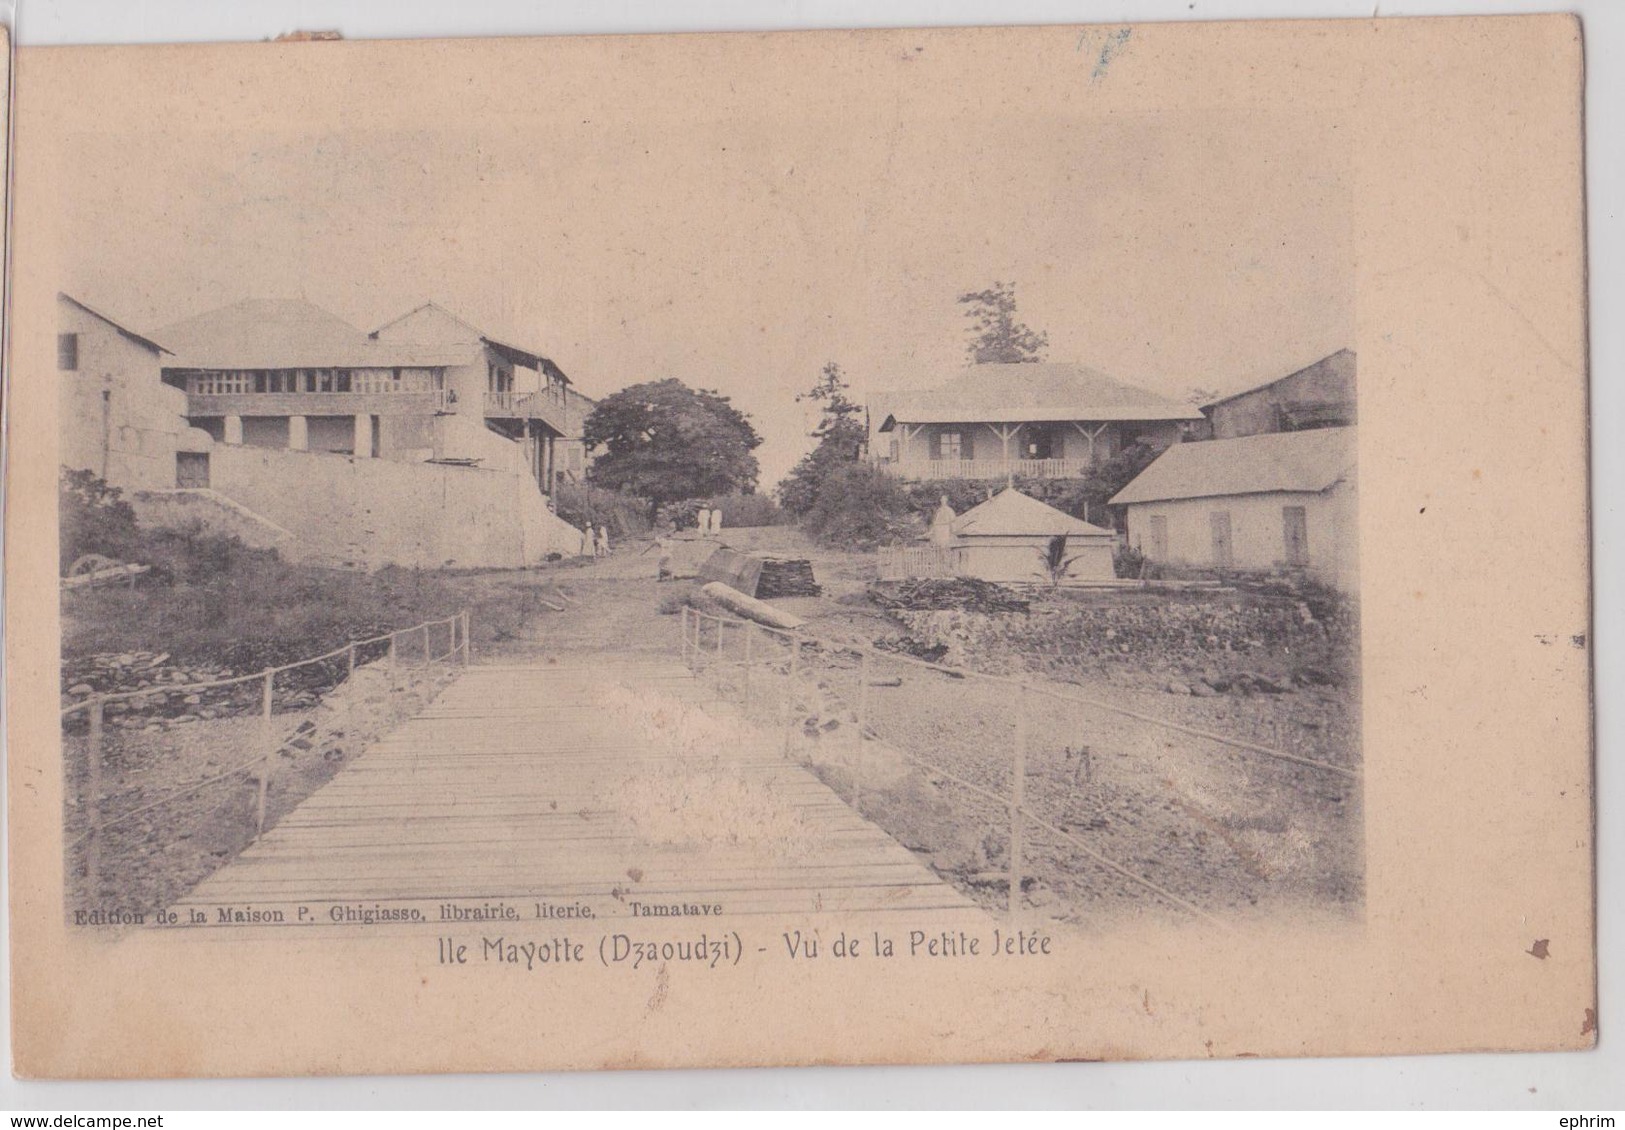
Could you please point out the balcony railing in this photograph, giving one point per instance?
(546, 404)
(987, 468)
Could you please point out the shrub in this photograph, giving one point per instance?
(861, 507)
(746, 510)
(1130, 562)
(581, 504)
(94, 519)
(1081, 498)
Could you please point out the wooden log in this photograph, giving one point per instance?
(749, 607)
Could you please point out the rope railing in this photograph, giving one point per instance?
(700, 652)
(95, 709)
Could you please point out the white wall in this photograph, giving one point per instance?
(1257, 531)
(144, 419)
(1022, 558)
(373, 512)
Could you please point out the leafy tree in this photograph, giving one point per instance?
(997, 335)
(840, 433)
(1106, 479)
(664, 442)
(1201, 396)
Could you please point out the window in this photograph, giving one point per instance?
(949, 445)
(192, 470)
(67, 352)
(1295, 534)
(341, 381)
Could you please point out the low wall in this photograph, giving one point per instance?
(374, 512)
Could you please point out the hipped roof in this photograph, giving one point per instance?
(1300, 462)
(1013, 514)
(1032, 392)
(274, 333)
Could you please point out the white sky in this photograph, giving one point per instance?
(736, 238)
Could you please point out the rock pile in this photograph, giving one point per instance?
(167, 697)
(781, 577)
(956, 594)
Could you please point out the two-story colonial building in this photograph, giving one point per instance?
(425, 443)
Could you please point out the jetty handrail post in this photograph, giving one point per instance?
(790, 695)
(468, 638)
(392, 653)
(1018, 797)
(750, 635)
(349, 695)
(268, 739)
(717, 663)
(683, 627)
(93, 801)
(426, 645)
(861, 715)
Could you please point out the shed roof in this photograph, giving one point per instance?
(140, 339)
(278, 333)
(1309, 461)
(1012, 514)
(1030, 392)
(1341, 362)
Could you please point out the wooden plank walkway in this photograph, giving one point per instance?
(546, 782)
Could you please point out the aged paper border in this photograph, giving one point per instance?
(1395, 291)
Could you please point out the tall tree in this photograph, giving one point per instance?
(996, 334)
(666, 442)
(840, 432)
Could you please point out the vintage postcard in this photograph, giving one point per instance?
(837, 547)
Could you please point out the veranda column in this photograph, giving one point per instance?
(298, 435)
(363, 437)
(234, 429)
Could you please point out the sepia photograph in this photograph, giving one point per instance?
(844, 547)
(417, 617)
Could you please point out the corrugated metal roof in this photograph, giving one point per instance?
(272, 333)
(1309, 461)
(1031, 392)
(1011, 513)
